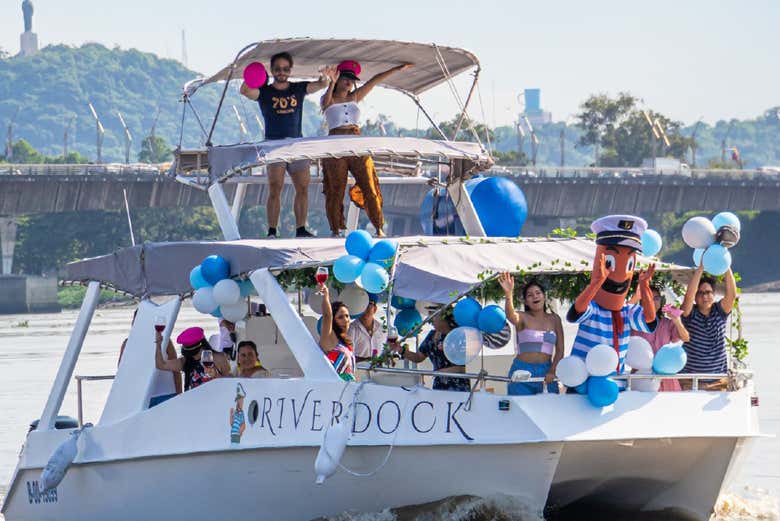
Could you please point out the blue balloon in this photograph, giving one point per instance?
(196, 278)
(402, 302)
(319, 326)
(214, 268)
(651, 243)
(602, 391)
(491, 319)
(374, 278)
(217, 313)
(726, 218)
(582, 388)
(406, 320)
(501, 206)
(359, 243)
(438, 216)
(697, 253)
(247, 288)
(670, 359)
(716, 260)
(347, 268)
(467, 312)
(383, 253)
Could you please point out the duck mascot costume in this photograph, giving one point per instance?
(601, 310)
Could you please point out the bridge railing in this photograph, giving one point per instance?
(624, 173)
(81, 169)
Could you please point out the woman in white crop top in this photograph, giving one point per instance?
(340, 107)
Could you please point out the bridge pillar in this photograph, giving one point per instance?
(7, 243)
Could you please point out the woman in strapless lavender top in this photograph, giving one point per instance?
(539, 336)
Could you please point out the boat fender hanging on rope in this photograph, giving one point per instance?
(60, 460)
(334, 441)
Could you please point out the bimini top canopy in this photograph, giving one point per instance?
(433, 64)
(429, 268)
(223, 160)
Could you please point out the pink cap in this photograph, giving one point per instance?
(349, 65)
(190, 336)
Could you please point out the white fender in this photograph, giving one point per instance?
(60, 461)
(334, 441)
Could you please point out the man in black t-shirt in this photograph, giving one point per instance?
(281, 104)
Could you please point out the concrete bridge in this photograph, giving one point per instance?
(553, 194)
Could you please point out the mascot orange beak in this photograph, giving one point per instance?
(620, 261)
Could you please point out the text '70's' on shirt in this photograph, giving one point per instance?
(283, 110)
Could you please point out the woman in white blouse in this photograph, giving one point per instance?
(342, 114)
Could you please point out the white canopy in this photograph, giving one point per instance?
(429, 268)
(432, 63)
(224, 159)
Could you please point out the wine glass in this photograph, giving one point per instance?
(159, 323)
(207, 358)
(321, 277)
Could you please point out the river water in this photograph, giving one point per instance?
(31, 347)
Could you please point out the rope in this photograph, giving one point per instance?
(484, 121)
(456, 95)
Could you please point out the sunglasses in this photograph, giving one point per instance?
(282, 69)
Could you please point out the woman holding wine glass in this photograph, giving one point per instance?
(334, 337)
(199, 362)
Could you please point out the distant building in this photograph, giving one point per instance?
(533, 107)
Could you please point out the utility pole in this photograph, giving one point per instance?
(723, 142)
(66, 137)
(534, 140)
(520, 139)
(128, 138)
(150, 141)
(184, 59)
(563, 144)
(100, 131)
(693, 143)
(9, 140)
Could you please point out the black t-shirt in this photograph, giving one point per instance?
(283, 109)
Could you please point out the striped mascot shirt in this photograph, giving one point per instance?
(596, 327)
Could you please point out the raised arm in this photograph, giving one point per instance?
(507, 283)
(327, 337)
(322, 82)
(727, 302)
(171, 353)
(249, 92)
(362, 92)
(646, 294)
(327, 98)
(690, 293)
(597, 278)
(159, 362)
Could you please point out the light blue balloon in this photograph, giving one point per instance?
(214, 268)
(383, 253)
(491, 319)
(319, 326)
(359, 244)
(602, 391)
(670, 359)
(466, 312)
(217, 313)
(651, 243)
(347, 268)
(402, 302)
(196, 278)
(374, 278)
(697, 253)
(716, 260)
(726, 218)
(406, 320)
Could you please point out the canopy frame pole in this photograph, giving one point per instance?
(238, 200)
(65, 371)
(227, 223)
(465, 208)
(353, 216)
(427, 116)
(224, 91)
(466, 105)
(187, 101)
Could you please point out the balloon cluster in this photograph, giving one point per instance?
(408, 317)
(216, 293)
(591, 376)
(711, 240)
(463, 344)
(366, 261)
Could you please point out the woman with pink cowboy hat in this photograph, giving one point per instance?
(193, 345)
(340, 106)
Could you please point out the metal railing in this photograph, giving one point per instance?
(79, 395)
(81, 169)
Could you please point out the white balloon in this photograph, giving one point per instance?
(646, 385)
(571, 371)
(354, 298)
(203, 300)
(226, 292)
(640, 354)
(462, 345)
(234, 312)
(601, 360)
(698, 232)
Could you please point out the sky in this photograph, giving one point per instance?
(688, 59)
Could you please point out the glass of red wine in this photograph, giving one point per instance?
(321, 277)
(159, 323)
(207, 358)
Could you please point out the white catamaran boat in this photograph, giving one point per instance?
(313, 440)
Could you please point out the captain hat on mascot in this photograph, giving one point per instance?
(601, 310)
